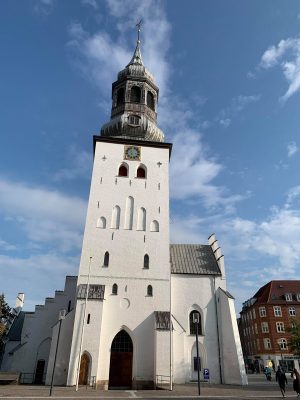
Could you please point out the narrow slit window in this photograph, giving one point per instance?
(146, 261)
(114, 289)
(106, 259)
(149, 291)
(88, 319)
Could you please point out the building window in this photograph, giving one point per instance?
(282, 344)
(123, 170)
(280, 326)
(264, 327)
(114, 289)
(149, 291)
(254, 313)
(115, 220)
(135, 94)
(146, 261)
(134, 120)
(150, 100)
(120, 96)
(277, 311)
(262, 312)
(298, 296)
(255, 328)
(267, 343)
(288, 297)
(88, 319)
(141, 221)
(141, 172)
(195, 314)
(69, 306)
(196, 361)
(292, 311)
(106, 259)
(258, 344)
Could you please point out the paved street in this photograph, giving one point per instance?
(258, 388)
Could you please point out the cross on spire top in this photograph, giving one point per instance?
(138, 25)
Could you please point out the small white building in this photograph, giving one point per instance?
(116, 331)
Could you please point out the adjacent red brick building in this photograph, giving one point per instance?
(265, 321)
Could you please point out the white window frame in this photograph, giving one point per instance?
(267, 343)
(284, 342)
(265, 327)
(298, 296)
(277, 311)
(262, 312)
(288, 297)
(280, 327)
(292, 311)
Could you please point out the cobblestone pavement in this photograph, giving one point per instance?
(258, 388)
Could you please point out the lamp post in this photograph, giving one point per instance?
(62, 315)
(196, 321)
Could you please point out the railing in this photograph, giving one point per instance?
(162, 381)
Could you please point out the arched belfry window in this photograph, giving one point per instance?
(129, 213)
(106, 259)
(114, 289)
(135, 94)
(146, 261)
(149, 291)
(193, 324)
(101, 223)
(150, 100)
(123, 170)
(120, 96)
(141, 172)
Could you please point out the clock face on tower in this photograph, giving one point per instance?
(132, 153)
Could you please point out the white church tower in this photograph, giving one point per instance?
(125, 258)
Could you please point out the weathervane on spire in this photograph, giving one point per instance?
(138, 25)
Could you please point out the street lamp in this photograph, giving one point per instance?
(196, 321)
(62, 315)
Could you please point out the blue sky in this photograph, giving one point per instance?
(229, 78)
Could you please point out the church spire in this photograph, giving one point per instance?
(137, 55)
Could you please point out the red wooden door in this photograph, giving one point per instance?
(84, 369)
(120, 373)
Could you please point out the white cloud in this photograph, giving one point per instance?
(287, 55)
(237, 105)
(43, 7)
(292, 195)
(91, 3)
(79, 165)
(46, 216)
(292, 149)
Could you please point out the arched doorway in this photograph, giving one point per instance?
(84, 369)
(120, 371)
(39, 372)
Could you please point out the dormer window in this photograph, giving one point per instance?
(135, 94)
(134, 120)
(288, 297)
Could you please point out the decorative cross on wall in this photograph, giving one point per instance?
(104, 158)
(159, 164)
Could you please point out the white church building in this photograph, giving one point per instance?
(127, 320)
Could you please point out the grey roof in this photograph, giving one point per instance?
(162, 320)
(15, 330)
(197, 259)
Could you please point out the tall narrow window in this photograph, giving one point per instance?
(193, 324)
(146, 261)
(141, 172)
(114, 289)
(141, 225)
(69, 306)
(88, 319)
(106, 259)
(154, 226)
(129, 213)
(150, 100)
(135, 94)
(123, 170)
(120, 96)
(149, 291)
(115, 221)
